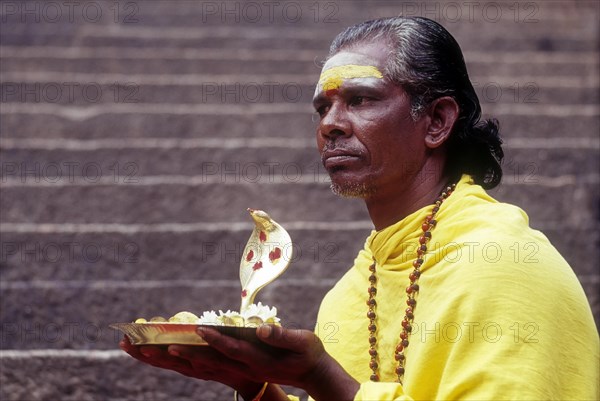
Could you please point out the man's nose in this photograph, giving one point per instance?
(335, 123)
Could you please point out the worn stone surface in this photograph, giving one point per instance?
(98, 377)
(191, 204)
(252, 124)
(151, 235)
(263, 165)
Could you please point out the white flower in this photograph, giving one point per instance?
(210, 318)
(259, 313)
(253, 316)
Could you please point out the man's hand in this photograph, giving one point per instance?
(291, 357)
(194, 361)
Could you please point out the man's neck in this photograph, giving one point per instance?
(386, 209)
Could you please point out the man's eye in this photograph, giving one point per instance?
(322, 110)
(357, 100)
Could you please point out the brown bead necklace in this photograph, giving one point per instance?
(428, 224)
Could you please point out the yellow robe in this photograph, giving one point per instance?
(500, 315)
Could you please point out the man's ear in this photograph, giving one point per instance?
(443, 113)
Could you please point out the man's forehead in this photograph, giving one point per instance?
(364, 63)
(345, 67)
(334, 77)
(352, 58)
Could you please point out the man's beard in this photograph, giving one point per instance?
(352, 189)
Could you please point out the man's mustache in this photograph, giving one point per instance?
(332, 146)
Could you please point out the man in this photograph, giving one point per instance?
(423, 313)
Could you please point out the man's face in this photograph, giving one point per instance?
(369, 143)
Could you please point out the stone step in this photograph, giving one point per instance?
(202, 255)
(263, 124)
(318, 44)
(162, 11)
(203, 41)
(572, 203)
(292, 13)
(205, 90)
(62, 315)
(15, 125)
(246, 163)
(173, 203)
(532, 64)
(252, 90)
(569, 33)
(319, 253)
(71, 375)
(170, 66)
(473, 57)
(508, 27)
(302, 18)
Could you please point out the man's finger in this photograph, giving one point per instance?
(131, 349)
(125, 344)
(150, 351)
(228, 346)
(289, 339)
(192, 352)
(239, 353)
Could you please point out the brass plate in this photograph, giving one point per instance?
(177, 333)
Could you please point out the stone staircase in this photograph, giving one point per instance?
(135, 134)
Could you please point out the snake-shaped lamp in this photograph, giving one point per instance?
(267, 254)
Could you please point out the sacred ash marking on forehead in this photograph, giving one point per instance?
(332, 78)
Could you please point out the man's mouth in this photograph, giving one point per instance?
(337, 158)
